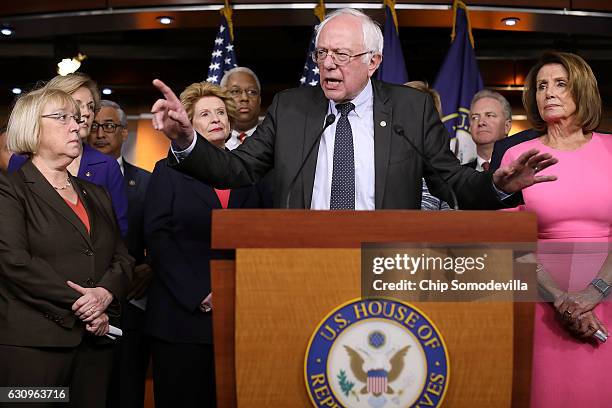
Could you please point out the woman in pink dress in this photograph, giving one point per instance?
(570, 366)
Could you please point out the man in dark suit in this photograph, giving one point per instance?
(490, 121)
(364, 160)
(501, 146)
(108, 133)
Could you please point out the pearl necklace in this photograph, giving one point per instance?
(65, 186)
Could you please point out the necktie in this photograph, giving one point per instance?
(242, 136)
(486, 166)
(343, 174)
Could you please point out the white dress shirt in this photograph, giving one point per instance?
(234, 139)
(362, 127)
(120, 161)
(479, 162)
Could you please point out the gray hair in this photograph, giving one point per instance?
(245, 70)
(372, 35)
(122, 116)
(485, 93)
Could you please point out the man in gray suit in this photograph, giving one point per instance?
(363, 134)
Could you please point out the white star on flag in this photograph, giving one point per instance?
(223, 57)
(310, 74)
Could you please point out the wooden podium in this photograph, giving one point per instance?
(292, 267)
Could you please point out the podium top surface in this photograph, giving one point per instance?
(349, 229)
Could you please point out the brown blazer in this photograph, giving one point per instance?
(42, 245)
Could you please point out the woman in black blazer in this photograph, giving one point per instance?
(177, 228)
(62, 262)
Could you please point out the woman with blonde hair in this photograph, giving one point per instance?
(90, 164)
(63, 264)
(177, 228)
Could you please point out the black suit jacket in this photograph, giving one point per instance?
(500, 147)
(42, 245)
(177, 229)
(294, 122)
(471, 164)
(136, 183)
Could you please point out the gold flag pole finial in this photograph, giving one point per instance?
(227, 13)
(391, 5)
(456, 4)
(319, 10)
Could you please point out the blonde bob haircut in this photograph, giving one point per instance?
(198, 90)
(71, 82)
(581, 83)
(24, 125)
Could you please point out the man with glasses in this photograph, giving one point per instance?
(244, 88)
(363, 133)
(108, 133)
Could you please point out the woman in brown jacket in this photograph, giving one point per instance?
(62, 262)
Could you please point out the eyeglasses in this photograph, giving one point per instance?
(63, 118)
(339, 58)
(236, 92)
(107, 127)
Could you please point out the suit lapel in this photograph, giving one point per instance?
(314, 123)
(86, 198)
(204, 192)
(383, 126)
(88, 162)
(237, 197)
(41, 187)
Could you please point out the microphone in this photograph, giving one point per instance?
(400, 131)
(329, 119)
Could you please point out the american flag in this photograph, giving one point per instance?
(377, 381)
(223, 57)
(310, 76)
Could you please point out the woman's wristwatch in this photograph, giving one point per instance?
(602, 286)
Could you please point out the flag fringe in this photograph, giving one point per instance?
(456, 4)
(227, 13)
(319, 10)
(391, 5)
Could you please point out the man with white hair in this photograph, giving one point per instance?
(245, 89)
(490, 121)
(362, 134)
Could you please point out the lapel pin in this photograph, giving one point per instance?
(383, 123)
(88, 174)
(132, 183)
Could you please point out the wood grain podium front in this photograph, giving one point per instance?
(293, 267)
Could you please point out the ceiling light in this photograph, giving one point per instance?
(107, 91)
(16, 91)
(68, 66)
(511, 21)
(165, 20)
(7, 31)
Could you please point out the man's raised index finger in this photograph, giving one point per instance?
(165, 90)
